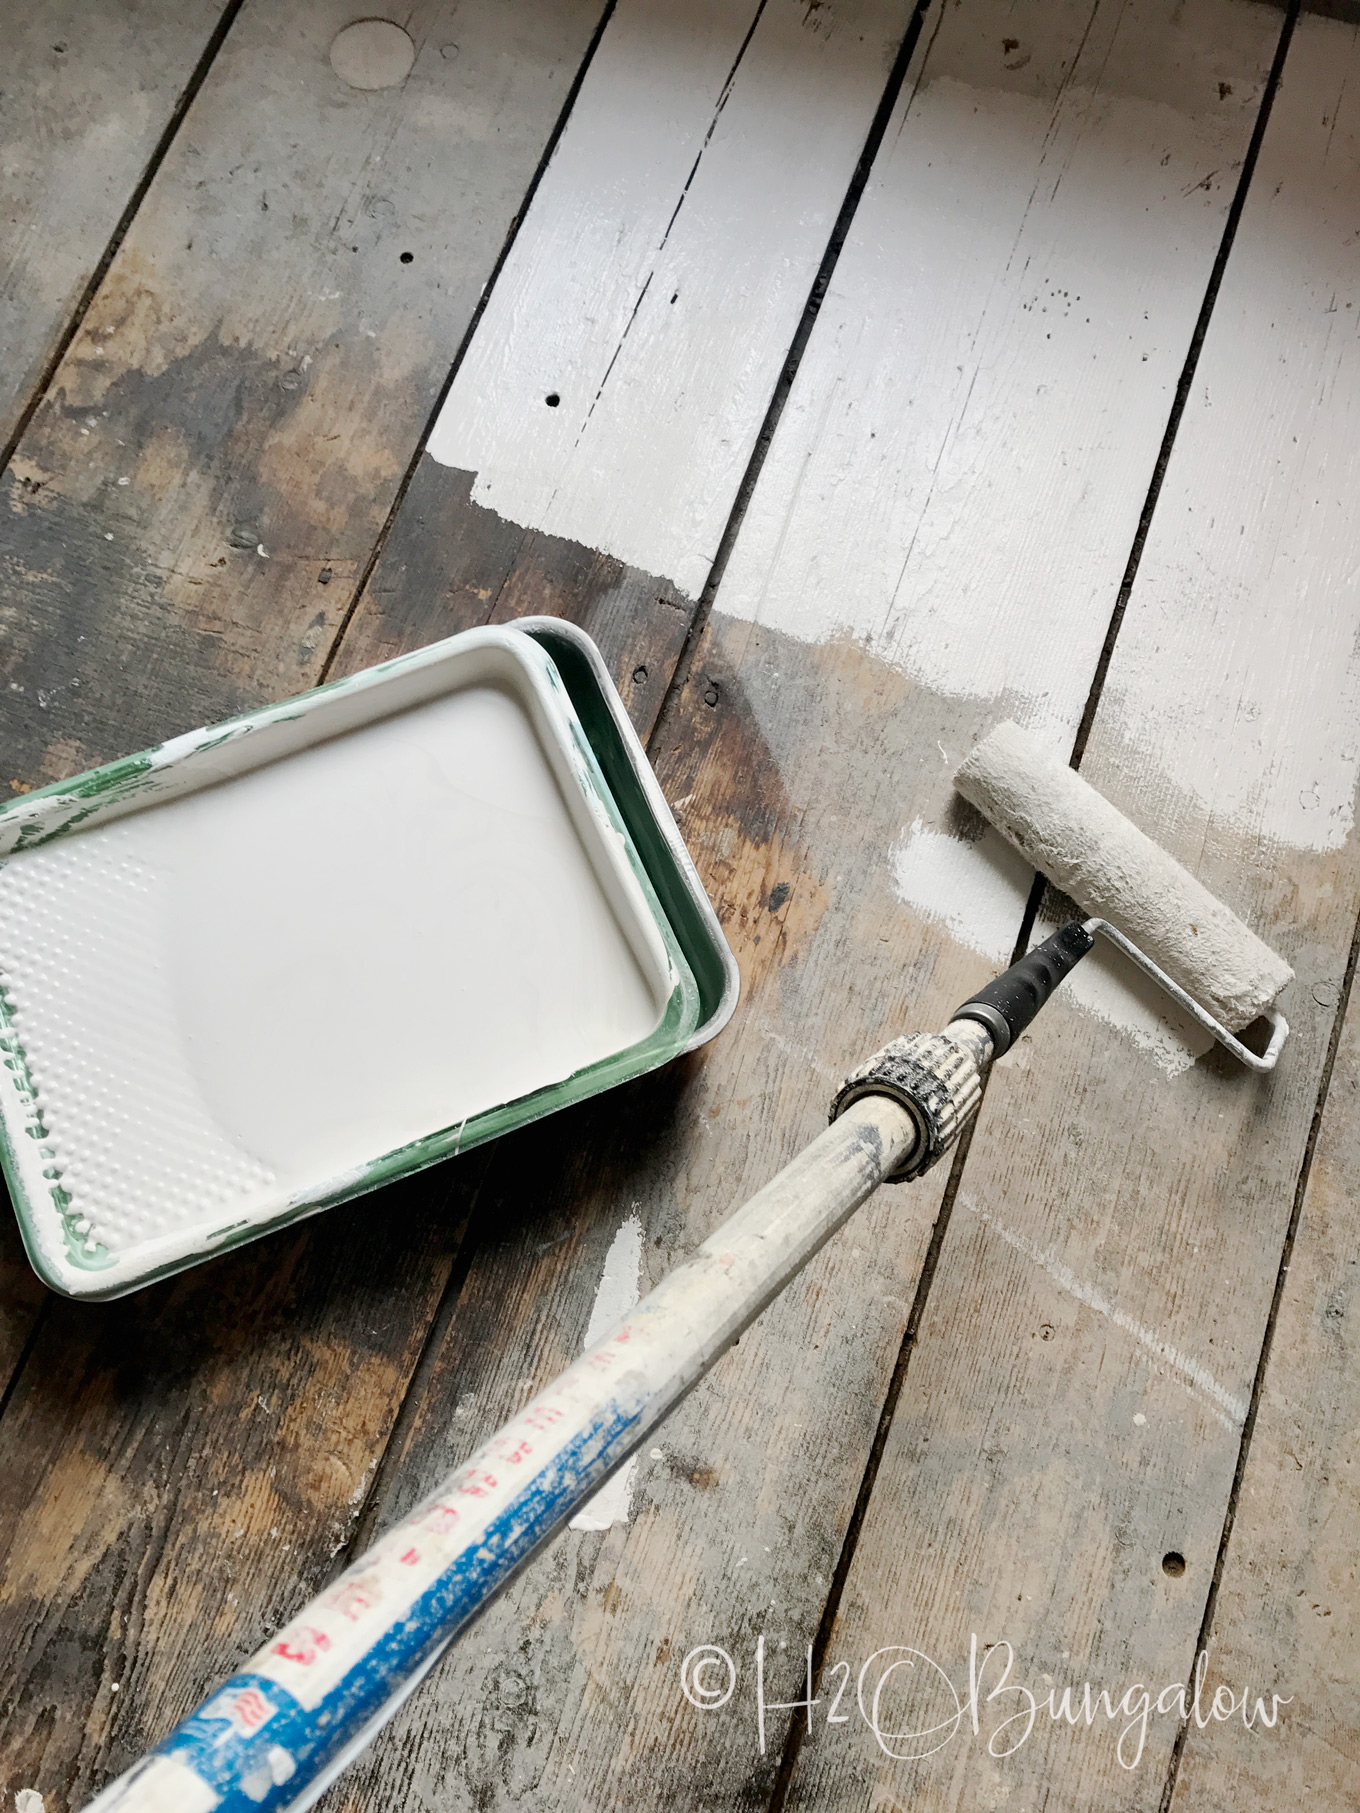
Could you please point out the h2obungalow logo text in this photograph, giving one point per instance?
(913, 1708)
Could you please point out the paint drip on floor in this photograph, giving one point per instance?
(978, 892)
(620, 1287)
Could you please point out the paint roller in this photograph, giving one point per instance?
(1139, 898)
(279, 1732)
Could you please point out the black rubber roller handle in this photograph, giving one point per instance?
(1006, 1007)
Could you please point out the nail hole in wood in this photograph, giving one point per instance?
(1173, 1564)
(552, 399)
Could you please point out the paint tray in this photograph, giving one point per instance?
(278, 962)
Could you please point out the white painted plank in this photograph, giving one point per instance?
(962, 462)
(1254, 554)
(661, 271)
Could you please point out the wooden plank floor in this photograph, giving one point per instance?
(859, 374)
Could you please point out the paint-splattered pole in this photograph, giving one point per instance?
(277, 1733)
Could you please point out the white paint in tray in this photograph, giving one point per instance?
(229, 998)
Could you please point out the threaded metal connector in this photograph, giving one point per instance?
(937, 1078)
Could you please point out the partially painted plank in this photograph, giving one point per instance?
(615, 391)
(87, 93)
(1286, 1616)
(1058, 1472)
(621, 371)
(795, 767)
(187, 518)
(1287, 1604)
(999, 348)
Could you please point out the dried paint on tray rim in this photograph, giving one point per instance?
(568, 678)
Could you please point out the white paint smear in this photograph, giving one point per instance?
(28, 1800)
(660, 273)
(620, 1287)
(1230, 1409)
(978, 891)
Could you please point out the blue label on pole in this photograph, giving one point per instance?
(258, 1748)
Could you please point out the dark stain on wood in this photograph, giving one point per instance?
(181, 1467)
(251, 381)
(450, 564)
(88, 91)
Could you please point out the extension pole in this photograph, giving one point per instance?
(277, 1734)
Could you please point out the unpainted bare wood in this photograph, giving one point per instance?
(87, 93)
(450, 564)
(1058, 1473)
(181, 1466)
(188, 516)
(1284, 1624)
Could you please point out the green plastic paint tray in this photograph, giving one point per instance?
(277, 962)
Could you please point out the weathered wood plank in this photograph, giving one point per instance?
(188, 516)
(179, 1467)
(88, 93)
(795, 770)
(1286, 1614)
(1057, 1474)
(450, 564)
